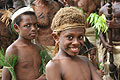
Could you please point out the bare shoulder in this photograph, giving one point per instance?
(84, 58)
(53, 64)
(53, 69)
(11, 50)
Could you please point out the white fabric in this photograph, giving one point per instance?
(20, 11)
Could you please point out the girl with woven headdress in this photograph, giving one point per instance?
(68, 27)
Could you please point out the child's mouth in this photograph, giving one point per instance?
(75, 49)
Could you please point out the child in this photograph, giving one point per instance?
(68, 32)
(29, 60)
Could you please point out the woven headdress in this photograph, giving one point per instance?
(66, 18)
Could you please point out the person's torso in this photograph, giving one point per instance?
(28, 64)
(76, 69)
(115, 24)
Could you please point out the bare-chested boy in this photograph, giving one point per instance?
(68, 27)
(29, 61)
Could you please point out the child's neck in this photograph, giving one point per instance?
(62, 54)
(25, 41)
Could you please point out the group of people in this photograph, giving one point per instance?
(68, 28)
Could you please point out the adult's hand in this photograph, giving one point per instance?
(108, 47)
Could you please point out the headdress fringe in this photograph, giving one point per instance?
(5, 18)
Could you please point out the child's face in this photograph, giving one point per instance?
(28, 27)
(71, 41)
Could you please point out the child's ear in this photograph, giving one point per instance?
(55, 37)
(16, 27)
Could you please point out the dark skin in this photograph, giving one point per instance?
(29, 60)
(114, 23)
(88, 6)
(5, 37)
(45, 11)
(18, 3)
(67, 64)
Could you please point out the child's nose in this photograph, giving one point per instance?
(33, 27)
(75, 42)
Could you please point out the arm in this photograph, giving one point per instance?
(105, 44)
(94, 74)
(103, 10)
(5, 73)
(53, 71)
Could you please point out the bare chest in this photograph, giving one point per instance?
(28, 57)
(75, 71)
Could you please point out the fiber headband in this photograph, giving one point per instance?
(68, 26)
(20, 11)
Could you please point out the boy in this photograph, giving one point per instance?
(29, 61)
(68, 32)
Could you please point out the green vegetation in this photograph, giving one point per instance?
(98, 23)
(12, 60)
(82, 11)
(9, 63)
(45, 57)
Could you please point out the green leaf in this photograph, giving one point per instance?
(9, 64)
(96, 18)
(88, 19)
(92, 18)
(98, 23)
(45, 57)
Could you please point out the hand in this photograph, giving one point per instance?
(108, 47)
(109, 22)
(42, 77)
(100, 72)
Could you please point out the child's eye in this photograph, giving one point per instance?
(80, 37)
(27, 25)
(36, 25)
(69, 37)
